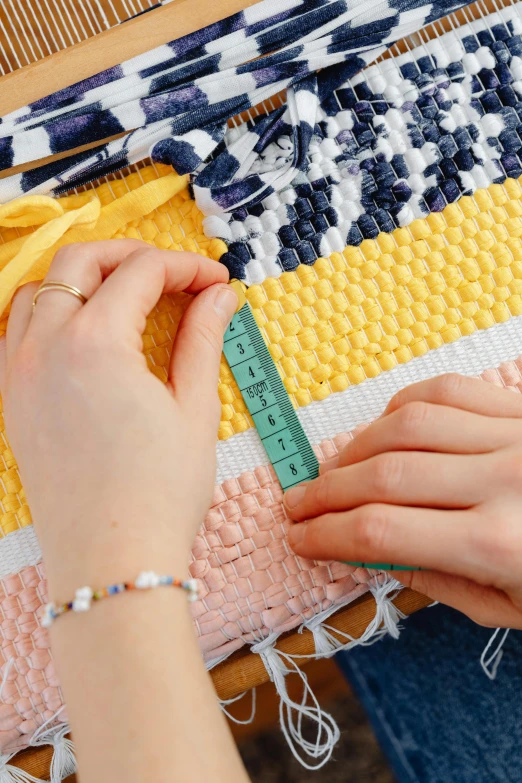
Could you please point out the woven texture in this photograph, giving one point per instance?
(252, 585)
(347, 318)
(403, 138)
(360, 312)
(364, 311)
(407, 299)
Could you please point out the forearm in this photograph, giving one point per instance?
(140, 702)
(136, 471)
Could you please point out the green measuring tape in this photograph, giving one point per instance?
(266, 398)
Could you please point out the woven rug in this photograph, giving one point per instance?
(396, 256)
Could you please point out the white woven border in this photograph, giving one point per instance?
(360, 404)
(322, 420)
(18, 550)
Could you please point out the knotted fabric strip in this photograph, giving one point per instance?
(28, 258)
(173, 103)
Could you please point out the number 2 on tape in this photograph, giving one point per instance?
(266, 398)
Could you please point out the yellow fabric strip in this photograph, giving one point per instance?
(29, 257)
(30, 211)
(26, 264)
(345, 319)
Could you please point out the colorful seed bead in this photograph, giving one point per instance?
(145, 581)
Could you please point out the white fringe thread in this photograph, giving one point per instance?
(63, 761)
(328, 641)
(224, 703)
(490, 666)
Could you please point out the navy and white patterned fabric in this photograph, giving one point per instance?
(401, 139)
(173, 103)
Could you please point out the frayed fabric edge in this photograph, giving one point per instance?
(311, 754)
(328, 641)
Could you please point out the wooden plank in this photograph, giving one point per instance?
(245, 670)
(111, 48)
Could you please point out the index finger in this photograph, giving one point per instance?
(127, 296)
(459, 391)
(452, 542)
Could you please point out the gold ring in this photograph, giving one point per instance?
(53, 285)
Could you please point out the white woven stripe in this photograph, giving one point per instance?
(321, 420)
(18, 550)
(359, 404)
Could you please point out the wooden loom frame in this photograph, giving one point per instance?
(243, 670)
(156, 28)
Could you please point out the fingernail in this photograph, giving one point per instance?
(330, 464)
(294, 496)
(225, 304)
(296, 534)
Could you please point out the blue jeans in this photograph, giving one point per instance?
(437, 716)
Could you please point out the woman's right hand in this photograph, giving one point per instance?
(435, 482)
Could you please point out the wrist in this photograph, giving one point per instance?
(103, 561)
(86, 597)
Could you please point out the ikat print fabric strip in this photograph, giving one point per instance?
(173, 103)
(402, 139)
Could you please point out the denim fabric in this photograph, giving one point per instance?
(437, 716)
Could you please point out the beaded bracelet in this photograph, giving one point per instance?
(145, 581)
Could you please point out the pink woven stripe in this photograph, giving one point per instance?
(252, 585)
(31, 693)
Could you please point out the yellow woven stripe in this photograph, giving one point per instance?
(356, 314)
(176, 225)
(14, 511)
(348, 317)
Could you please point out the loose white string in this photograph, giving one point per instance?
(491, 664)
(224, 703)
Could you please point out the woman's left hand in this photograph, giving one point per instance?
(435, 482)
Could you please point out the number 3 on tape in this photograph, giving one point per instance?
(266, 398)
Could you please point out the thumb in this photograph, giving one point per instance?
(194, 366)
(3, 362)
